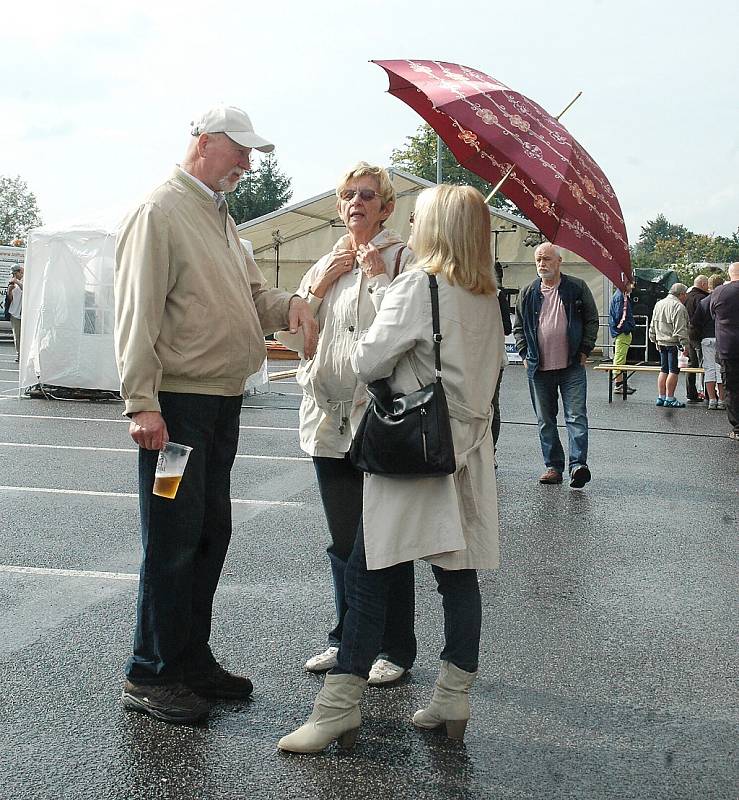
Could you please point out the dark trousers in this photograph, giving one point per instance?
(341, 485)
(368, 593)
(184, 540)
(694, 358)
(496, 411)
(730, 377)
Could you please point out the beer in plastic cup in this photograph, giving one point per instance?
(170, 467)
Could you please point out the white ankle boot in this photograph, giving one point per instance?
(335, 716)
(450, 702)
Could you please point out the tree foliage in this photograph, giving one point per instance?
(418, 157)
(663, 245)
(259, 192)
(18, 209)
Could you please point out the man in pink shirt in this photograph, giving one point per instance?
(556, 327)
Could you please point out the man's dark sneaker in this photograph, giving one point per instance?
(551, 476)
(694, 400)
(217, 683)
(171, 702)
(620, 389)
(579, 477)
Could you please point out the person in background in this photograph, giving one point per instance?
(556, 328)
(703, 329)
(697, 292)
(505, 315)
(186, 342)
(724, 308)
(450, 521)
(621, 324)
(15, 307)
(668, 329)
(344, 290)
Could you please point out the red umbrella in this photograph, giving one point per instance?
(490, 129)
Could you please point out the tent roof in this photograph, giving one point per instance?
(317, 212)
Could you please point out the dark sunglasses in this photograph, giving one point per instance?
(365, 194)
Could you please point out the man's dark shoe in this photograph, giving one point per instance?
(694, 400)
(619, 389)
(171, 702)
(551, 476)
(579, 477)
(216, 683)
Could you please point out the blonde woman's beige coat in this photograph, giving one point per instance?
(450, 521)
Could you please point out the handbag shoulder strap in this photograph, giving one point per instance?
(398, 256)
(434, 288)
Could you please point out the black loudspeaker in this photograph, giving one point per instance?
(644, 296)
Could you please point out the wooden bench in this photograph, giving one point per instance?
(630, 369)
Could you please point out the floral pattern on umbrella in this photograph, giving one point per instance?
(489, 127)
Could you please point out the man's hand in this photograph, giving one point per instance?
(299, 316)
(149, 430)
(583, 359)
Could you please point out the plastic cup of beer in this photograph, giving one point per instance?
(170, 468)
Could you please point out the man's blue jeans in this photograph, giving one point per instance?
(184, 540)
(545, 387)
(341, 487)
(367, 593)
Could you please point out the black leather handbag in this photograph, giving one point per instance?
(407, 434)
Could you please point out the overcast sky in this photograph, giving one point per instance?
(97, 97)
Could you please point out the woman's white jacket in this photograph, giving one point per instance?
(333, 399)
(451, 521)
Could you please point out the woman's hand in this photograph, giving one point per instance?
(370, 260)
(341, 262)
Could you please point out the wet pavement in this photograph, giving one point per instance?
(608, 663)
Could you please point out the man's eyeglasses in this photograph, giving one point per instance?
(365, 194)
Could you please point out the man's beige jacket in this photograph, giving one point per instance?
(192, 307)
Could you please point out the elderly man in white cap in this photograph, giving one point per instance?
(192, 309)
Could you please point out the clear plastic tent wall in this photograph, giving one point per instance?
(68, 310)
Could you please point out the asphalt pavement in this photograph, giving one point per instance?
(608, 662)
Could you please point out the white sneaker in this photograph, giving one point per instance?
(323, 661)
(712, 404)
(384, 671)
(720, 405)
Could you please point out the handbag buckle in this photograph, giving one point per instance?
(438, 337)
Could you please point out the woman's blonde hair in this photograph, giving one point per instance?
(363, 169)
(451, 235)
(715, 281)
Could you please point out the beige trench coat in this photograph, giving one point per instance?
(333, 399)
(450, 521)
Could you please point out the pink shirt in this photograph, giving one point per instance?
(552, 334)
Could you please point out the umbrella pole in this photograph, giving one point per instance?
(497, 186)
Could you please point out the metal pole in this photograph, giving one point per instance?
(438, 159)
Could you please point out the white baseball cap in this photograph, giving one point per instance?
(235, 123)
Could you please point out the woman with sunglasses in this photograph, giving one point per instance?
(344, 289)
(449, 521)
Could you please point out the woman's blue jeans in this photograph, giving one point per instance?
(368, 592)
(572, 384)
(184, 540)
(341, 486)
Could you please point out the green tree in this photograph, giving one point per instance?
(18, 209)
(419, 158)
(259, 192)
(665, 245)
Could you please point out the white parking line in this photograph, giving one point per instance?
(70, 573)
(90, 493)
(130, 450)
(126, 421)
